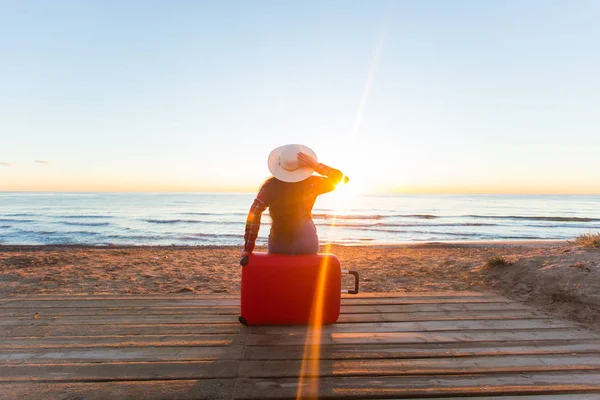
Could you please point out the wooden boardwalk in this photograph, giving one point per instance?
(433, 345)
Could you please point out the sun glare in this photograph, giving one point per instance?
(345, 195)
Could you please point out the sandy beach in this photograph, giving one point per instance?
(557, 276)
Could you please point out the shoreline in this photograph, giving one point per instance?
(453, 243)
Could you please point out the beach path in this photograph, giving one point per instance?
(392, 345)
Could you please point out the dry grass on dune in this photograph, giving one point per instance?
(496, 261)
(591, 240)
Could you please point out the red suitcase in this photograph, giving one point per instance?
(280, 289)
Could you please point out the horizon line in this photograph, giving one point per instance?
(474, 193)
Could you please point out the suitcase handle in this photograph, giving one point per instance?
(356, 279)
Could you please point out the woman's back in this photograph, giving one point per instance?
(290, 199)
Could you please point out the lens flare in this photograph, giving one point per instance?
(367, 88)
(308, 385)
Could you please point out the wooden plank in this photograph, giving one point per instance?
(425, 326)
(418, 337)
(440, 316)
(192, 302)
(117, 341)
(405, 308)
(168, 296)
(123, 371)
(37, 320)
(108, 354)
(579, 396)
(332, 352)
(426, 300)
(200, 301)
(176, 296)
(446, 293)
(420, 386)
(100, 372)
(59, 312)
(118, 319)
(118, 330)
(235, 310)
(425, 350)
(214, 389)
(421, 366)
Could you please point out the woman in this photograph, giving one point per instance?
(290, 195)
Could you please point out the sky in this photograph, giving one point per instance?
(424, 96)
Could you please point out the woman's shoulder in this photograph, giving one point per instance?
(272, 188)
(270, 184)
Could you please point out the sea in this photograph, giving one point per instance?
(208, 219)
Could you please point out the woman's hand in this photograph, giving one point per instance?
(244, 259)
(307, 161)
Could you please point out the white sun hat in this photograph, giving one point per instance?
(283, 163)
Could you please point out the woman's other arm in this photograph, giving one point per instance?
(253, 221)
(331, 176)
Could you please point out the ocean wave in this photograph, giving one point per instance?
(373, 216)
(83, 233)
(173, 221)
(83, 223)
(384, 224)
(468, 234)
(422, 216)
(573, 226)
(134, 237)
(86, 216)
(200, 213)
(21, 215)
(535, 218)
(332, 216)
(524, 237)
(58, 233)
(196, 236)
(5, 226)
(208, 213)
(437, 233)
(465, 234)
(15, 220)
(239, 222)
(446, 224)
(29, 232)
(357, 239)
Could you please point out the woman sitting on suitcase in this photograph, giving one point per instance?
(290, 195)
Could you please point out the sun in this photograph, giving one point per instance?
(345, 195)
